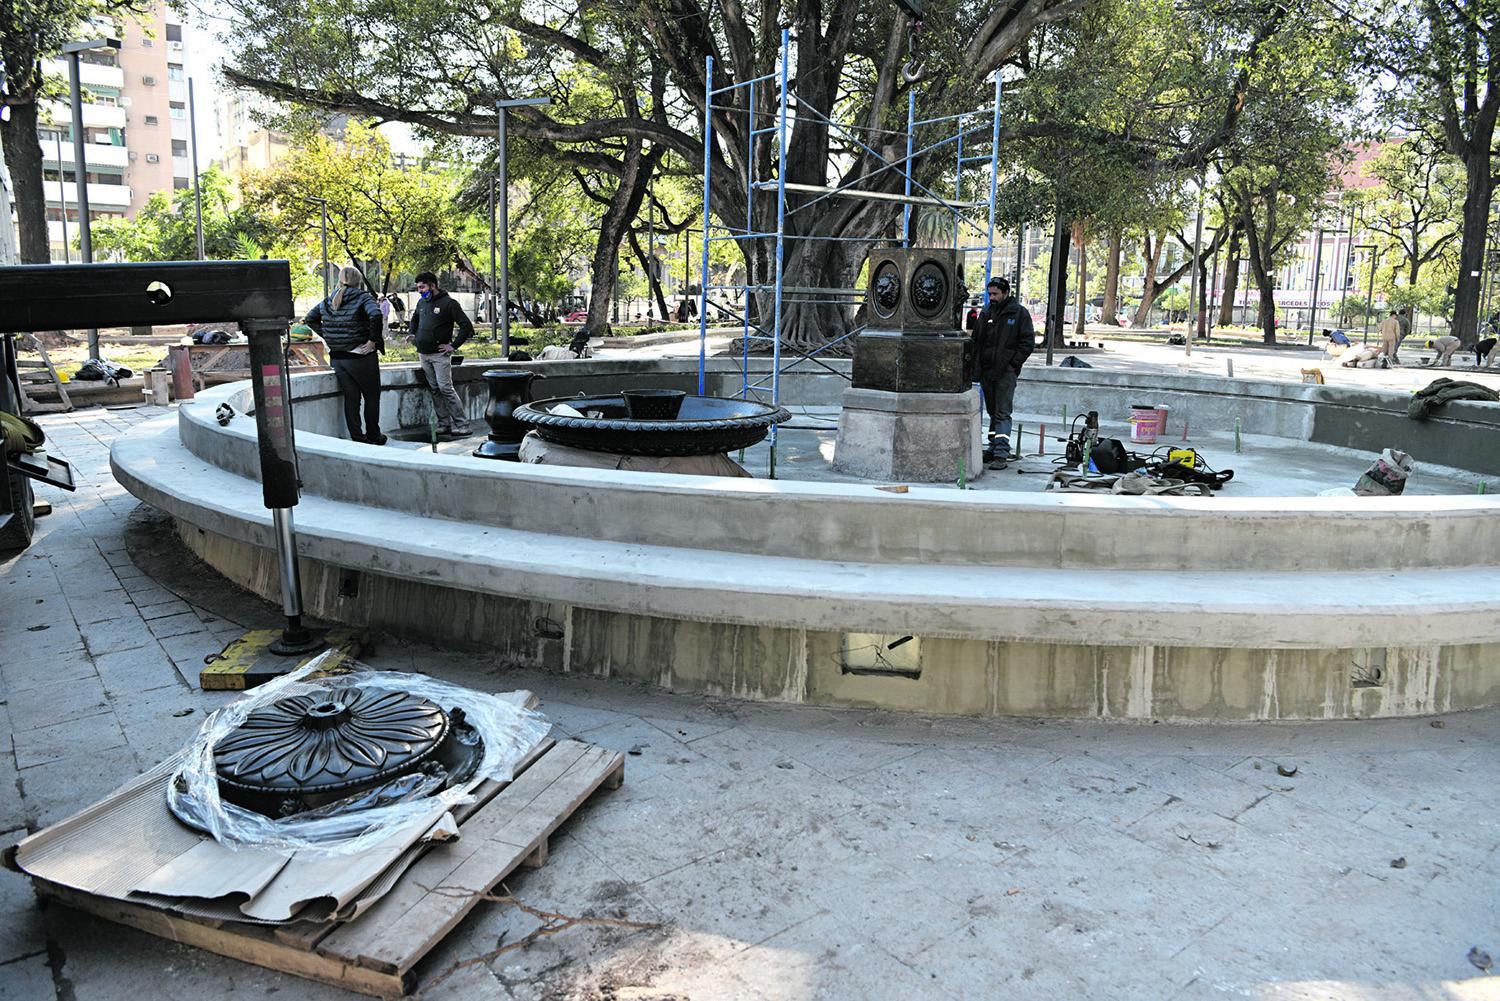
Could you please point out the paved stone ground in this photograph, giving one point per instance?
(791, 852)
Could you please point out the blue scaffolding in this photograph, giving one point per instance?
(980, 128)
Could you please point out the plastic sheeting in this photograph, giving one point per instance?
(509, 733)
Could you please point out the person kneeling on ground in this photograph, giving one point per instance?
(1003, 340)
(352, 327)
(1338, 343)
(431, 330)
(1445, 347)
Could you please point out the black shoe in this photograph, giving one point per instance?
(378, 439)
(997, 462)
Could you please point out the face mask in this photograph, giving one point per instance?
(427, 295)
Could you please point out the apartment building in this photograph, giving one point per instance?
(247, 145)
(135, 126)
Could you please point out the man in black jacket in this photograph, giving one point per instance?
(432, 322)
(1003, 340)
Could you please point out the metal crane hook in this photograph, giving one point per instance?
(911, 70)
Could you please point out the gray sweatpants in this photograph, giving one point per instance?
(438, 368)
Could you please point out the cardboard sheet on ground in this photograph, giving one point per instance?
(130, 846)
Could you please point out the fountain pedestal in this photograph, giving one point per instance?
(915, 437)
(910, 413)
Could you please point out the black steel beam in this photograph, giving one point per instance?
(79, 296)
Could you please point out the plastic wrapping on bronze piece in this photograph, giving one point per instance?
(366, 816)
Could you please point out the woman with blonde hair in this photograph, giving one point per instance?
(350, 322)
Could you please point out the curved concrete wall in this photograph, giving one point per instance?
(859, 523)
(1022, 603)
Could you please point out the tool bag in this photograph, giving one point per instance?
(1387, 476)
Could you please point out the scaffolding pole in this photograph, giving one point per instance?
(969, 131)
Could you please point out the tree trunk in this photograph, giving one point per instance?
(1057, 283)
(1080, 325)
(1260, 258)
(623, 207)
(653, 285)
(1152, 258)
(23, 158)
(1231, 279)
(1112, 278)
(1477, 196)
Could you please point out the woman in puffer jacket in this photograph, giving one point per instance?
(351, 325)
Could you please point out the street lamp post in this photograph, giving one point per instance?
(1317, 268)
(1370, 296)
(323, 206)
(62, 196)
(72, 50)
(197, 190)
(494, 313)
(502, 197)
(1020, 263)
(1208, 288)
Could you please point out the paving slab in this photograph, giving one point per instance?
(795, 853)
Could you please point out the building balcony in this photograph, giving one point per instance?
(115, 197)
(182, 167)
(89, 74)
(98, 156)
(95, 116)
(177, 90)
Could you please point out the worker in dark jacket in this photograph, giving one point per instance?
(352, 327)
(1003, 340)
(432, 321)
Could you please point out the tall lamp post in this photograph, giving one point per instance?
(322, 204)
(72, 51)
(62, 197)
(502, 197)
(494, 313)
(197, 190)
(1370, 296)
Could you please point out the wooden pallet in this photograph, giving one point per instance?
(35, 374)
(377, 952)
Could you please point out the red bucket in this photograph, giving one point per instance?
(1145, 424)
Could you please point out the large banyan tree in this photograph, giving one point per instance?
(629, 86)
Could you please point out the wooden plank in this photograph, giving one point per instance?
(445, 885)
(363, 936)
(245, 943)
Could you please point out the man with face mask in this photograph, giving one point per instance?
(431, 329)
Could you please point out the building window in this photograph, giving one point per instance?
(179, 147)
(179, 109)
(174, 72)
(179, 183)
(174, 32)
(152, 120)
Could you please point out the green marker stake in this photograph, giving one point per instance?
(1481, 486)
(963, 479)
(1020, 439)
(1236, 436)
(432, 430)
(1065, 417)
